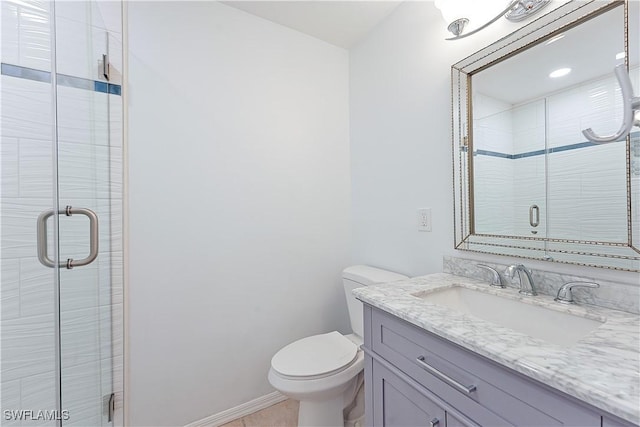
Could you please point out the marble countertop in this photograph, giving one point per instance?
(602, 369)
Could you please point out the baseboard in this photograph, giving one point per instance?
(239, 411)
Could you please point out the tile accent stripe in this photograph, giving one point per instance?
(26, 73)
(63, 80)
(540, 152)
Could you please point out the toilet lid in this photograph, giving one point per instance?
(315, 355)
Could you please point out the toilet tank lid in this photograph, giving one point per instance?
(366, 275)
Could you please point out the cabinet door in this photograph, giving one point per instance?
(397, 404)
(611, 422)
(457, 421)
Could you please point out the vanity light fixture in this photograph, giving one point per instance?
(560, 72)
(458, 13)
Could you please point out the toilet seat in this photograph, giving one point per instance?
(314, 357)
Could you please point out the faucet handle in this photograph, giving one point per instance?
(496, 280)
(565, 296)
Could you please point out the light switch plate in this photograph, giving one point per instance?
(424, 219)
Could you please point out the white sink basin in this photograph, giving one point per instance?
(553, 326)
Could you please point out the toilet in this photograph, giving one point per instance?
(324, 372)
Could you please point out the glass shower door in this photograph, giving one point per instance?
(61, 334)
(28, 329)
(89, 153)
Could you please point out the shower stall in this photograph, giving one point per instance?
(61, 240)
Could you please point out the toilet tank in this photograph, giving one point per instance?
(362, 275)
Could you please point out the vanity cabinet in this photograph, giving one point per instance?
(399, 404)
(415, 378)
(399, 401)
(610, 422)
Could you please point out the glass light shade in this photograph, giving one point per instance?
(476, 11)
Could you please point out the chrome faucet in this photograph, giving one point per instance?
(496, 279)
(524, 276)
(565, 295)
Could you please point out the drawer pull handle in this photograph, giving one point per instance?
(468, 389)
(434, 422)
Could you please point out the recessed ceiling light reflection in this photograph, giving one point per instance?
(620, 55)
(559, 73)
(554, 39)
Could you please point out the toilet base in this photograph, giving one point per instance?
(325, 413)
(322, 400)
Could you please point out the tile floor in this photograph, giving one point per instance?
(283, 414)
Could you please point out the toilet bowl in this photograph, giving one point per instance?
(324, 372)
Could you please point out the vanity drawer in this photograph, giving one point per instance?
(446, 369)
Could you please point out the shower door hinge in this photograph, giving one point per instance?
(110, 400)
(105, 66)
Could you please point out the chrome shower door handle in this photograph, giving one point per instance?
(93, 236)
(534, 215)
(43, 256)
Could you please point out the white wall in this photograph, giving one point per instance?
(400, 139)
(400, 143)
(239, 194)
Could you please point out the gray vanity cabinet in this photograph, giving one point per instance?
(399, 401)
(415, 378)
(610, 422)
(399, 404)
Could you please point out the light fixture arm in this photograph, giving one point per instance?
(631, 105)
(507, 9)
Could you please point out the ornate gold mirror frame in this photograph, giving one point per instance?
(612, 255)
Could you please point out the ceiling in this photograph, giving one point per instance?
(341, 23)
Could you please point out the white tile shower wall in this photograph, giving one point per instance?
(85, 31)
(90, 150)
(492, 132)
(528, 189)
(529, 127)
(593, 104)
(591, 173)
(493, 178)
(11, 391)
(26, 297)
(508, 187)
(25, 34)
(485, 106)
(493, 124)
(28, 112)
(529, 172)
(106, 15)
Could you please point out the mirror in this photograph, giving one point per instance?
(527, 181)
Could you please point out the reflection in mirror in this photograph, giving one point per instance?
(529, 182)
